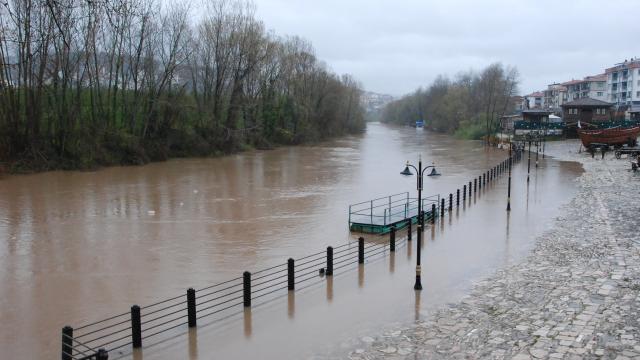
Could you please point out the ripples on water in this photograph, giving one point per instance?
(80, 246)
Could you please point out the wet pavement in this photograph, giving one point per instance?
(574, 297)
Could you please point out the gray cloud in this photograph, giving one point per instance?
(396, 46)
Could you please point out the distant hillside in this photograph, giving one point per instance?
(373, 102)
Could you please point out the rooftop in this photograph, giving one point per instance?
(537, 111)
(600, 77)
(571, 82)
(587, 102)
(627, 64)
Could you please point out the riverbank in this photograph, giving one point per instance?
(575, 296)
(120, 149)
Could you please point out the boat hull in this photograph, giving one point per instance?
(615, 136)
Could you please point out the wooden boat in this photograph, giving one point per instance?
(612, 136)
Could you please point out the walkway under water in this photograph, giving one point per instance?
(79, 247)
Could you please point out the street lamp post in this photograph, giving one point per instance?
(420, 172)
(509, 186)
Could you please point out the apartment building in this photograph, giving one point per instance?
(594, 87)
(623, 83)
(555, 96)
(534, 100)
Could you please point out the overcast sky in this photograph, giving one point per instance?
(394, 47)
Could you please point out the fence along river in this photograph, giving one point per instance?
(116, 332)
(198, 233)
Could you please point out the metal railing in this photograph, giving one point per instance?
(94, 341)
(388, 210)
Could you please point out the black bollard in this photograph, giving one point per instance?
(329, 271)
(475, 186)
(67, 343)
(291, 274)
(392, 239)
(480, 182)
(433, 213)
(102, 354)
(246, 288)
(450, 202)
(442, 207)
(191, 307)
(409, 231)
(361, 250)
(458, 197)
(469, 188)
(464, 192)
(136, 327)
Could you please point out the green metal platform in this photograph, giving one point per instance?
(379, 215)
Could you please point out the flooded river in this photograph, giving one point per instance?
(80, 246)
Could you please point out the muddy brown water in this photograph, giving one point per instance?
(81, 246)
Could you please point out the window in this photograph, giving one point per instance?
(599, 93)
(573, 111)
(638, 94)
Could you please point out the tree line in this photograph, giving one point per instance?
(91, 82)
(469, 106)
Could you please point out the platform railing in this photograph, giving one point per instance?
(95, 340)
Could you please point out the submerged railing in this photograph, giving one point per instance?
(141, 323)
(387, 210)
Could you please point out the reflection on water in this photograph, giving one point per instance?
(81, 246)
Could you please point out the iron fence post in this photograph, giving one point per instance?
(291, 275)
(136, 327)
(329, 271)
(361, 250)
(392, 239)
(246, 288)
(191, 307)
(67, 343)
(433, 213)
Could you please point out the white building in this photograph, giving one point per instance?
(623, 83)
(594, 87)
(555, 96)
(534, 100)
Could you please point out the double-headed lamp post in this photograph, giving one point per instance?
(420, 171)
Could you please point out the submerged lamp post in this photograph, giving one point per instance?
(420, 172)
(509, 186)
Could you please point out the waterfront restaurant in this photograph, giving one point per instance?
(533, 122)
(586, 110)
